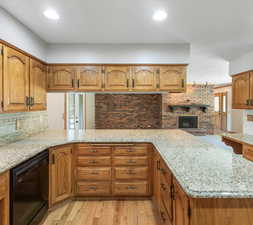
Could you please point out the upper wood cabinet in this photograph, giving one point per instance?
(38, 93)
(15, 81)
(89, 78)
(242, 88)
(172, 78)
(117, 78)
(144, 78)
(60, 170)
(61, 78)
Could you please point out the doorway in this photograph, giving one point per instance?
(220, 110)
(75, 112)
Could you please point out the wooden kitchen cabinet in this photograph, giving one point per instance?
(143, 78)
(172, 78)
(15, 81)
(61, 78)
(38, 94)
(4, 198)
(117, 78)
(241, 85)
(1, 75)
(89, 78)
(60, 173)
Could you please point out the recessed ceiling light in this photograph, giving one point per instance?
(159, 15)
(51, 14)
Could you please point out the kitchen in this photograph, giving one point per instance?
(111, 125)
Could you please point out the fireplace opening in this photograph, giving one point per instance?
(188, 122)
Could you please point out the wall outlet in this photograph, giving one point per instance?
(250, 118)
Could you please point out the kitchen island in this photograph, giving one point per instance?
(194, 182)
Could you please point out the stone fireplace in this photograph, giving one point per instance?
(187, 122)
(192, 111)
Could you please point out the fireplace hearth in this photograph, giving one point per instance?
(187, 122)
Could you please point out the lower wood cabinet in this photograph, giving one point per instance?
(60, 173)
(4, 198)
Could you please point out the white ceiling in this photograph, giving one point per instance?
(223, 27)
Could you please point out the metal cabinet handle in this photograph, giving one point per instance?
(131, 172)
(27, 101)
(131, 188)
(93, 161)
(127, 83)
(78, 83)
(182, 83)
(93, 188)
(94, 172)
(163, 186)
(93, 150)
(72, 83)
(133, 83)
(131, 161)
(130, 150)
(163, 216)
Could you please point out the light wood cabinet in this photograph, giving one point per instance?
(144, 78)
(89, 78)
(117, 78)
(4, 198)
(241, 91)
(61, 78)
(1, 76)
(172, 78)
(15, 81)
(60, 172)
(38, 93)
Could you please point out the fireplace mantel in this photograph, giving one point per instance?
(187, 107)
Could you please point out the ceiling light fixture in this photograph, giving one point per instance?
(159, 15)
(51, 14)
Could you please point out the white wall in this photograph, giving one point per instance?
(118, 53)
(55, 110)
(14, 32)
(247, 125)
(205, 67)
(241, 64)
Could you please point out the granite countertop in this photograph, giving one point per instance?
(242, 138)
(202, 169)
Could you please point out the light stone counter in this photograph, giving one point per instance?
(203, 170)
(239, 137)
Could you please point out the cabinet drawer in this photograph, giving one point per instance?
(130, 160)
(131, 150)
(93, 160)
(93, 150)
(93, 188)
(86, 173)
(130, 188)
(248, 152)
(131, 172)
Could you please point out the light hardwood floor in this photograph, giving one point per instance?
(125, 212)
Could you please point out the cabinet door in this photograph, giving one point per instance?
(89, 78)
(241, 91)
(172, 78)
(117, 78)
(144, 78)
(15, 81)
(181, 206)
(60, 173)
(156, 181)
(4, 198)
(38, 85)
(61, 78)
(1, 76)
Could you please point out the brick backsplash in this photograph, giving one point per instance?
(16, 126)
(128, 111)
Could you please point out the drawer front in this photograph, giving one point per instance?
(131, 172)
(130, 188)
(93, 150)
(94, 160)
(133, 150)
(130, 160)
(248, 152)
(84, 173)
(93, 188)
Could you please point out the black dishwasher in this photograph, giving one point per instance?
(29, 191)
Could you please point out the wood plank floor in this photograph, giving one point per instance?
(115, 212)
